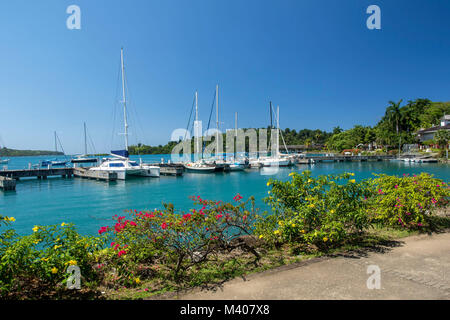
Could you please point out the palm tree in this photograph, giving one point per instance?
(441, 138)
(393, 115)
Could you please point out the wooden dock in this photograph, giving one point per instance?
(37, 173)
(7, 183)
(171, 169)
(97, 174)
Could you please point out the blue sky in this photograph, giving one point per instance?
(315, 59)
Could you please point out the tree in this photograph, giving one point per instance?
(442, 137)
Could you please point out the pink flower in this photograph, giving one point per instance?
(396, 186)
(164, 225)
(219, 216)
(121, 252)
(238, 197)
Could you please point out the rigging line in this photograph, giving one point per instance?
(114, 111)
(209, 120)
(60, 144)
(135, 119)
(189, 121)
(90, 142)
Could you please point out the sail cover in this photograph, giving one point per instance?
(122, 153)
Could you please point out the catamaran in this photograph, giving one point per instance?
(120, 162)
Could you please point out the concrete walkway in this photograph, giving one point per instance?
(419, 268)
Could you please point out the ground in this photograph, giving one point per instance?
(416, 267)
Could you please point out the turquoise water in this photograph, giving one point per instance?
(90, 204)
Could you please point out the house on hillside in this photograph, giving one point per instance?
(428, 134)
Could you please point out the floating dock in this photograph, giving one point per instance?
(97, 174)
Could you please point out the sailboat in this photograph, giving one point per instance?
(84, 158)
(120, 162)
(234, 163)
(199, 166)
(276, 160)
(54, 162)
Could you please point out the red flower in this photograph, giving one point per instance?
(102, 230)
(219, 216)
(164, 225)
(237, 197)
(121, 252)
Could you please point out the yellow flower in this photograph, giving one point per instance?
(44, 259)
(280, 223)
(332, 211)
(293, 225)
(303, 231)
(11, 219)
(72, 262)
(137, 280)
(309, 180)
(352, 181)
(311, 205)
(54, 270)
(37, 241)
(35, 229)
(269, 183)
(86, 245)
(276, 232)
(64, 224)
(352, 174)
(261, 236)
(291, 174)
(325, 239)
(57, 246)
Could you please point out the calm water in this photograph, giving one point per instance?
(90, 204)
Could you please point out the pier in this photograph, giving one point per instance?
(37, 173)
(343, 158)
(7, 183)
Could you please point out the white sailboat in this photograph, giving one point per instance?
(120, 162)
(199, 166)
(84, 158)
(276, 160)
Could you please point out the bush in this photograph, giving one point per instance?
(176, 244)
(408, 201)
(320, 211)
(36, 264)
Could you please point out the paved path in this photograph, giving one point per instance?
(417, 269)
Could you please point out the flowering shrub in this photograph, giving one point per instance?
(43, 257)
(175, 241)
(408, 201)
(320, 211)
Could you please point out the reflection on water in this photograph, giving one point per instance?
(90, 203)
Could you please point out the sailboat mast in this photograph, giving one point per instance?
(196, 122)
(217, 120)
(124, 100)
(278, 131)
(85, 142)
(56, 144)
(235, 124)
